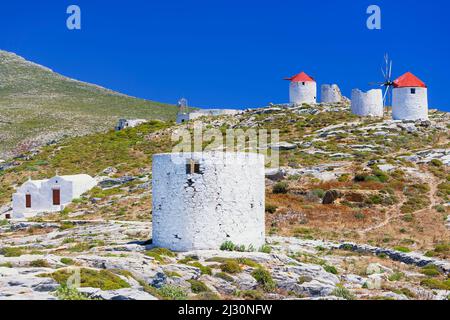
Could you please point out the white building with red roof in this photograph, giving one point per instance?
(302, 89)
(409, 98)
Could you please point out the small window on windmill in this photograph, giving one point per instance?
(192, 167)
(303, 83)
(413, 91)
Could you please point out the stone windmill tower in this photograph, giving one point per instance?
(302, 89)
(409, 98)
(183, 111)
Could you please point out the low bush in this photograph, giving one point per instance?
(330, 269)
(270, 208)
(430, 270)
(171, 292)
(280, 188)
(264, 278)
(69, 293)
(11, 251)
(102, 279)
(342, 292)
(67, 261)
(250, 294)
(40, 263)
(436, 284)
(224, 276)
(402, 249)
(203, 269)
(198, 286)
(231, 266)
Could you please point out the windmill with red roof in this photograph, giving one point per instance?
(408, 95)
(302, 89)
(409, 98)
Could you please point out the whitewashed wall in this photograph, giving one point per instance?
(201, 211)
(41, 192)
(303, 92)
(367, 104)
(408, 106)
(330, 93)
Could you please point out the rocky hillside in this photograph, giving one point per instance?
(357, 210)
(38, 105)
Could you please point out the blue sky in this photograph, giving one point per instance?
(229, 53)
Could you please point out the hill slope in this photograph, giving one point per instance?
(38, 105)
(387, 222)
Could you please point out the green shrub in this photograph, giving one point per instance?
(430, 270)
(203, 269)
(319, 193)
(207, 296)
(231, 266)
(342, 292)
(442, 247)
(330, 269)
(227, 246)
(102, 279)
(171, 292)
(66, 225)
(360, 216)
(188, 259)
(40, 263)
(436, 163)
(198, 286)
(248, 262)
(11, 251)
(172, 274)
(155, 256)
(265, 249)
(280, 188)
(163, 252)
(6, 265)
(408, 217)
(396, 276)
(304, 279)
(270, 208)
(250, 295)
(67, 261)
(436, 284)
(402, 249)
(69, 293)
(264, 278)
(224, 276)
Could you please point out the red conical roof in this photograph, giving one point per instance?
(301, 77)
(409, 80)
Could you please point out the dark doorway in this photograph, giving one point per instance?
(28, 201)
(56, 197)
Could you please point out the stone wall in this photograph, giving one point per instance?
(303, 92)
(223, 201)
(410, 106)
(330, 93)
(367, 104)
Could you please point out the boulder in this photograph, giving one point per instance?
(330, 197)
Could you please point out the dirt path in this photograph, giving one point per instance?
(389, 216)
(395, 212)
